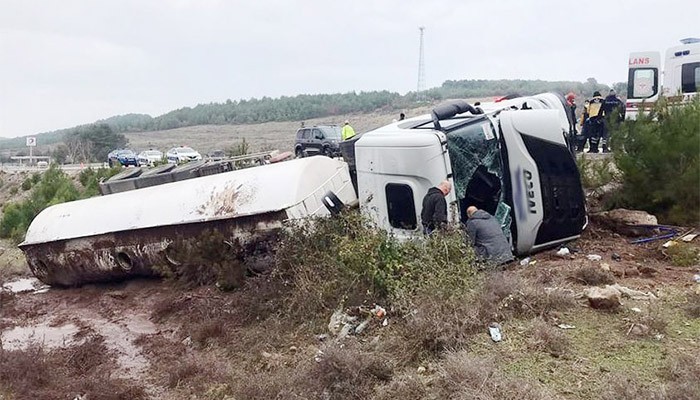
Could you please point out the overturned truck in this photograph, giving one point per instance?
(509, 158)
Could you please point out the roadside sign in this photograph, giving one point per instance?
(31, 141)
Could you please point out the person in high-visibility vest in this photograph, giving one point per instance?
(347, 131)
(593, 122)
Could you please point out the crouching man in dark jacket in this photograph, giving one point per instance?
(434, 213)
(486, 236)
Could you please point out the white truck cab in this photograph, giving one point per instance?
(680, 70)
(508, 159)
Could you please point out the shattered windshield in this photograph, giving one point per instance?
(478, 173)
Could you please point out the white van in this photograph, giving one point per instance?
(681, 76)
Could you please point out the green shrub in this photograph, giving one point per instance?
(53, 187)
(683, 254)
(329, 261)
(90, 179)
(659, 157)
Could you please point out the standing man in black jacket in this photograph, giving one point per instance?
(434, 213)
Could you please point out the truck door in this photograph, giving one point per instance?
(642, 81)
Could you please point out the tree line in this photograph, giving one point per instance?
(92, 141)
(305, 106)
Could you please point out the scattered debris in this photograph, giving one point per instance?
(421, 370)
(690, 237)
(495, 331)
(605, 267)
(563, 252)
(696, 278)
(565, 326)
(23, 285)
(658, 232)
(525, 261)
(343, 323)
(594, 257)
(668, 244)
(603, 298)
(635, 309)
(616, 257)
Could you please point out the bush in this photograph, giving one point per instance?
(330, 261)
(53, 187)
(91, 178)
(683, 254)
(212, 258)
(596, 172)
(593, 276)
(544, 337)
(660, 162)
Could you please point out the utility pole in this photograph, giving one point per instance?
(421, 64)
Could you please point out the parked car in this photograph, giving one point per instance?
(150, 157)
(321, 139)
(124, 157)
(216, 155)
(182, 154)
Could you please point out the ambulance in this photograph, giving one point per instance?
(681, 76)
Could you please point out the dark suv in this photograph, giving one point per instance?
(322, 139)
(123, 157)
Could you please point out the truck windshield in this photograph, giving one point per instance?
(478, 173)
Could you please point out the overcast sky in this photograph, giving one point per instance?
(69, 62)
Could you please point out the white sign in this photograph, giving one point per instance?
(31, 141)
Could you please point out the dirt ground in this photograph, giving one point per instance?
(151, 339)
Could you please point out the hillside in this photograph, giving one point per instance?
(334, 107)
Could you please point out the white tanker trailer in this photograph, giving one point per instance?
(128, 233)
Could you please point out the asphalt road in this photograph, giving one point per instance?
(65, 167)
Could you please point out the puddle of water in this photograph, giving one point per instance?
(21, 337)
(120, 336)
(26, 285)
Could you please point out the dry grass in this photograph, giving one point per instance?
(680, 374)
(85, 369)
(463, 376)
(593, 275)
(692, 308)
(544, 337)
(654, 318)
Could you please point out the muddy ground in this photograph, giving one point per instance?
(150, 339)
